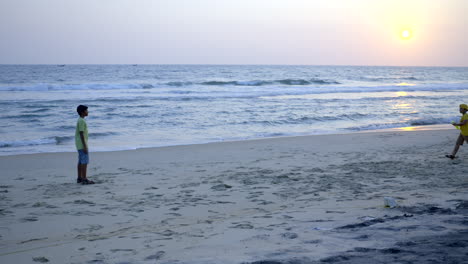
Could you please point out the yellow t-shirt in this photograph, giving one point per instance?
(81, 126)
(464, 129)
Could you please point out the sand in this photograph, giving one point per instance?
(311, 199)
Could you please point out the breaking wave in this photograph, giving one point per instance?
(57, 140)
(119, 86)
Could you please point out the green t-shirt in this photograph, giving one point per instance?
(464, 129)
(81, 126)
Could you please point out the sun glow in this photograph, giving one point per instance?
(406, 34)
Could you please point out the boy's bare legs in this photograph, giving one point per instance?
(82, 171)
(79, 171)
(84, 167)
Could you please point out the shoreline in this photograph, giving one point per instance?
(396, 129)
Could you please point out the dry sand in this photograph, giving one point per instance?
(312, 199)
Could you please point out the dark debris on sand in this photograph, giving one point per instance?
(449, 248)
(446, 249)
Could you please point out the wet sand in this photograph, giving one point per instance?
(312, 199)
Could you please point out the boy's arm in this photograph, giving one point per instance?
(85, 148)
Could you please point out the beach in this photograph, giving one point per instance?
(233, 132)
(306, 199)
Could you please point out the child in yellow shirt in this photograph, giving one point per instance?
(463, 130)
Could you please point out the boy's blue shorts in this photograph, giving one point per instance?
(83, 158)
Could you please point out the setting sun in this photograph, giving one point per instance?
(406, 34)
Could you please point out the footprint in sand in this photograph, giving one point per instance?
(243, 226)
(33, 240)
(89, 229)
(168, 233)
(29, 219)
(289, 235)
(83, 202)
(156, 256)
(4, 212)
(40, 259)
(221, 187)
(43, 204)
(122, 250)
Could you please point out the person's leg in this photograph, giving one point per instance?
(79, 172)
(78, 179)
(458, 144)
(455, 150)
(84, 167)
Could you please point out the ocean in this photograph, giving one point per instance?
(140, 106)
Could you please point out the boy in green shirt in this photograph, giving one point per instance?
(81, 142)
(463, 130)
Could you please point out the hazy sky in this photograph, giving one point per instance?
(313, 32)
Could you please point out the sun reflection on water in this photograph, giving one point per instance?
(412, 128)
(403, 106)
(405, 84)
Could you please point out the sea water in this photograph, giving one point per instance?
(138, 106)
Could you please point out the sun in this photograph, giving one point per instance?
(406, 34)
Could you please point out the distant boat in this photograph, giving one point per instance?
(61, 65)
(135, 65)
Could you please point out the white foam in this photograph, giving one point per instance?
(23, 143)
(260, 88)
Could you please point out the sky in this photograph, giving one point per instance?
(292, 32)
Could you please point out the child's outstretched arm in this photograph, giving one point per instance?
(464, 122)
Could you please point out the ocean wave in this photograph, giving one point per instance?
(24, 116)
(415, 122)
(84, 86)
(33, 142)
(57, 140)
(278, 93)
(253, 83)
(403, 88)
(180, 92)
(179, 84)
(66, 127)
(146, 86)
(64, 139)
(431, 121)
(309, 120)
(309, 85)
(387, 79)
(306, 82)
(39, 110)
(383, 88)
(269, 135)
(291, 82)
(101, 134)
(377, 126)
(294, 82)
(218, 83)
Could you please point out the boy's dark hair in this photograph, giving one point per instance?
(81, 108)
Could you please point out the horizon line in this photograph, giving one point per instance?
(233, 64)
